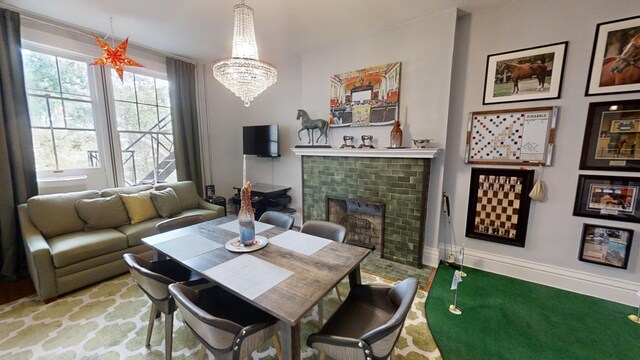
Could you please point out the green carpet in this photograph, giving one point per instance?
(506, 318)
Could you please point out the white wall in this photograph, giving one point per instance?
(551, 252)
(225, 114)
(425, 48)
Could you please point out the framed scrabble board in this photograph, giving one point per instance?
(511, 137)
(499, 205)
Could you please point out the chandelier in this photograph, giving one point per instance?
(244, 74)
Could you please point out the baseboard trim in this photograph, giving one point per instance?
(621, 291)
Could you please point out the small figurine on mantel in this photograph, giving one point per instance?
(310, 125)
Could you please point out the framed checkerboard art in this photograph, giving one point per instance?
(511, 137)
(499, 205)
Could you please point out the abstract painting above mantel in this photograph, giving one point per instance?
(365, 97)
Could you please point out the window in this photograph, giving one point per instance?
(71, 127)
(61, 109)
(144, 128)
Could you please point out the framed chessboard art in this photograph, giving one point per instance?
(511, 137)
(499, 205)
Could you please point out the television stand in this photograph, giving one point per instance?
(266, 197)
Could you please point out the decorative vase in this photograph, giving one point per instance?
(396, 135)
(246, 216)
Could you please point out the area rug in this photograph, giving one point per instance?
(109, 321)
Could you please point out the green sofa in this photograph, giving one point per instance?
(64, 254)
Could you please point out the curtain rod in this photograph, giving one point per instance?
(29, 16)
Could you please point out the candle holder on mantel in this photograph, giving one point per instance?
(348, 142)
(367, 142)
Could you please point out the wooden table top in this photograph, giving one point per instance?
(313, 276)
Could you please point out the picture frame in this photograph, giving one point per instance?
(512, 136)
(608, 197)
(610, 71)
(365, 97)
(499, 202)
(612, 136)
(529, 74)
(605, 245)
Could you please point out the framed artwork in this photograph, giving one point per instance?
(511, 137)
(365, 97)
(499, 205)
(608, 197)
(612, 136)
(616, 50)
(524, 75)
(605, 245)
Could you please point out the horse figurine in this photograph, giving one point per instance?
(311, 124)
(624, 68)
(525, 71)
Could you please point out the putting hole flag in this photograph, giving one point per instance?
(457, 277)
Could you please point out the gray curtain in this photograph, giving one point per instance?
(17, 164)
(184, 117)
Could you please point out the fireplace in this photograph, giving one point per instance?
(364, 221)
(396, 179)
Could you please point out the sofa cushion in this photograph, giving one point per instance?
(139, 207)
(55, 214)
(166, 202)
(209, 214)
(71, 248)
(125, 190)
(102, 213)
(136, 232)
(186, 191)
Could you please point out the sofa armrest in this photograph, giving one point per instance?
(209, 206)
(38, 255)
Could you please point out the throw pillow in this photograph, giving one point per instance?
(166, 202)
(139, 206)
(102, 213)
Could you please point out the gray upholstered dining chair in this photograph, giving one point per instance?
(278, 219)
(153, 278)
(368, 323)
(327, 230)
(228, 326)
(179, 222)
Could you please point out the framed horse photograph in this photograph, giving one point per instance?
(615, 59)
(612, 136)
(608, 197)
(524, 75)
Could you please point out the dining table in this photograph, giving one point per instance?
(286, 278)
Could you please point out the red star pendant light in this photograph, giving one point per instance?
(115, 56)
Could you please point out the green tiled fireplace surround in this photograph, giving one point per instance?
(401, 184)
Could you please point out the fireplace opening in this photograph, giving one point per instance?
(363, 219)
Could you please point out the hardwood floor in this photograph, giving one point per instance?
(14, 290)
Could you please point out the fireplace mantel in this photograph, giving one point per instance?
(428, 153)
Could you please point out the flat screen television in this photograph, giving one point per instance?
(261, 140)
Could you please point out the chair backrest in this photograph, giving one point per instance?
(383, 338)
(179, 222)
(152, 283)
(325, 229)
(217, 333)
(278, 219)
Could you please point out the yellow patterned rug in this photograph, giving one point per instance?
(109, 321)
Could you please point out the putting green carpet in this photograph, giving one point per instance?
(108, 321)
(506, 318)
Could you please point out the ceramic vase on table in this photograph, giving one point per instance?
(246, 216)
(396, 135)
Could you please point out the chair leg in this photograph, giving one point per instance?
(321, 356)
(338, 292)
(202, 352)
(168, 336)
(152, 316)
(276, 345)
(320, 312)
(393, 354)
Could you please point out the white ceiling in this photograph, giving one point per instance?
(202, 29)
